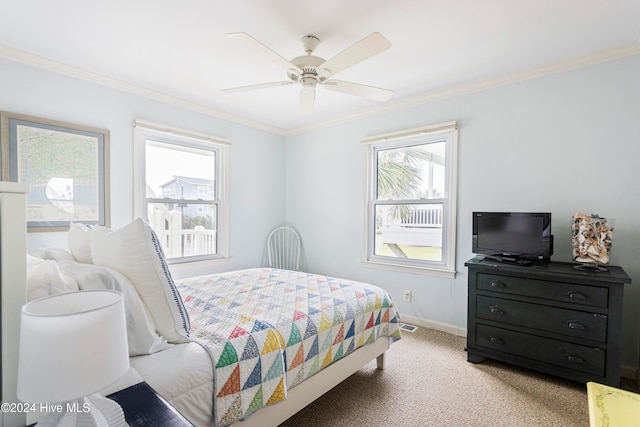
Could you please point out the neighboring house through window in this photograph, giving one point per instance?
(411, 209)
(181, 190)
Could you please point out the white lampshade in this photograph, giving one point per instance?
(71, 345)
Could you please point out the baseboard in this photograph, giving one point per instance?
(626, 371)
(430, 324)
(630, 372)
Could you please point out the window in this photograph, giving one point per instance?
(181, 190)
(411, 207)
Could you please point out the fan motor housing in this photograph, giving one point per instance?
(309, 66)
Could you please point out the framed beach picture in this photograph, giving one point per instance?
(66, 166)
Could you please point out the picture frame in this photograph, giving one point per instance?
(66, 166)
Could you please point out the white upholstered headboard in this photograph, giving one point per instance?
(13, 291)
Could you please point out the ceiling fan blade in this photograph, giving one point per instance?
(369, 46)
(266, 51)
(307, 98)
(253, 87)
(371, 92)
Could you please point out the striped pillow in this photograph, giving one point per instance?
(134, 250)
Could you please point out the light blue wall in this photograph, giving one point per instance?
(562, 143)
(257, 198)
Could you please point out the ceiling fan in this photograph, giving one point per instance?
(309, 70)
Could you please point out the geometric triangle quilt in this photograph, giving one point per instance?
(268, 330)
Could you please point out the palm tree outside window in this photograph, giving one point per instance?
(411, 209)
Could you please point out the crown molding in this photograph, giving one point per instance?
(607, 55)
(17, 55)
(626, 50)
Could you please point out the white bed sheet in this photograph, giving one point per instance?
(183, 375)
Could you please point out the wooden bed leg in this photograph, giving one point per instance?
(381, 360)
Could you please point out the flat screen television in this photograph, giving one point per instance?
(523, 237)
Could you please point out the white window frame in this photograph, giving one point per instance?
(447, 132)
(144, 130)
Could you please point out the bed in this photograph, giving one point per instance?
(242, 348)
(13, 230)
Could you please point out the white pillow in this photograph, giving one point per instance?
(55, 254)
(134, 250)
(44, 278)
(79, 241)
(141, 332)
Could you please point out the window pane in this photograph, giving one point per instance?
(411, 172)
(409, 231)
(179, 172)
(184, 229)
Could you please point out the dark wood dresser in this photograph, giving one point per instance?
(548, 317)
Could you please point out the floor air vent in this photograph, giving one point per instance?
(408, 328)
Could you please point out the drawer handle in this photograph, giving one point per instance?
(576, 325)
(496, 339)
(575, 359)
(577, 296)
(497, 284)
(495, 309)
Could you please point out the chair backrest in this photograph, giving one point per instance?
(283, 248)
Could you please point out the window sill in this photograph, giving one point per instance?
(196, 260)
(196, 268)
(436, 272)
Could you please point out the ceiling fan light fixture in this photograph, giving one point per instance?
(307, 98)
(308, 81)
(309, 70)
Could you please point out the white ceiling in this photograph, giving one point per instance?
(179, 50)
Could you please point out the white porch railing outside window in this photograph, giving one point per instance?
(422, 227)
(424, 217)
(176, 241)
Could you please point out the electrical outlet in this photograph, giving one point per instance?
(406, 295)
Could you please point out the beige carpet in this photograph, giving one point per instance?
(428, 382)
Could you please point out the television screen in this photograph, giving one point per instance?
(512, 235)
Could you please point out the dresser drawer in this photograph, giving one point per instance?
(557, 291)
(572, 323)
(567, 355)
